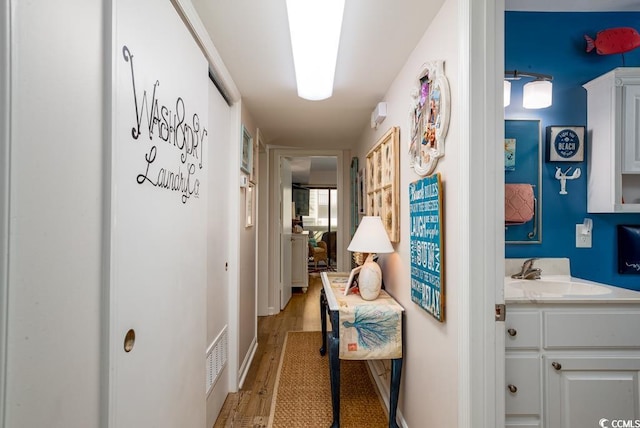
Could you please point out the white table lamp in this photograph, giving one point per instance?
(370, 237)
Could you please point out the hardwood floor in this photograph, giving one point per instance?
(250, 406)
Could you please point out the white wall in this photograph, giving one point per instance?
(54, 336)
(247, 303)
(429, 395)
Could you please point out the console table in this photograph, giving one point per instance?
(360, 330)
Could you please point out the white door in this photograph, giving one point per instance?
(157, 222)
(285, 232)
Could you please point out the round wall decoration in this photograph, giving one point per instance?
(428, 117)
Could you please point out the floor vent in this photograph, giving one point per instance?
(217, 358)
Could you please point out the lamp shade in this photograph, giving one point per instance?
(507, 93)
(371, 237)
(537, 94)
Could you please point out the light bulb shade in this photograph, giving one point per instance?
(507, 93)
(371, 237)
(537, 94)
(315, 27)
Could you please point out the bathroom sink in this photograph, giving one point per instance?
(553, 288)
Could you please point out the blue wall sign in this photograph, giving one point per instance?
(565, 143)
(427, 280)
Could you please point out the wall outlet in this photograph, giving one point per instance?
(583, 240)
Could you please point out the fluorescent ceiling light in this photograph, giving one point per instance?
(315, 34)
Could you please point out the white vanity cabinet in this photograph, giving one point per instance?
(300, 260)
(570, 365)
(613, 141)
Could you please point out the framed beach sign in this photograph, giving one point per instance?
(426, 245)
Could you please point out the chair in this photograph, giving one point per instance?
(318, 253)
(329, 238)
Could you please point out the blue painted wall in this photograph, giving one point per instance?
(553, 43)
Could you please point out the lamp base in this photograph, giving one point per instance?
(370, 279)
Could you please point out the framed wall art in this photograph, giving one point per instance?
(565, 143)
(246, 164)
(428, 117)
(248, 204)
(381, 173)
(426, 244)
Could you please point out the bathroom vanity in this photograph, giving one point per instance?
(572, 352)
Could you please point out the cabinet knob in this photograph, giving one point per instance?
(512, 388)
(512, 332)
(556, 365)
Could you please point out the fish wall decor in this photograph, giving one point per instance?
(613, 41)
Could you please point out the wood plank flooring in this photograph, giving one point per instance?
(250, 406)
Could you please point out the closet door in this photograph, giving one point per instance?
(157, 220)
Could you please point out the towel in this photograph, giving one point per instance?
(518, 203)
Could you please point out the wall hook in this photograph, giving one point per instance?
(563, 177)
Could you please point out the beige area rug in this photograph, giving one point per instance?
(302, 396)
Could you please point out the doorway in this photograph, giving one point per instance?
(321, 220)
(270, 305)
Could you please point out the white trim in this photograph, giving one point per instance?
(274, 213)
(481, 114)
(5, 168)
(246, 364)
(384, 389)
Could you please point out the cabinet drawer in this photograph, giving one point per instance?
(522, 377)
(522, 330)
(615, 329)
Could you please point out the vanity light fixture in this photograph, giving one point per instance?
(315, 27)
(535, 94)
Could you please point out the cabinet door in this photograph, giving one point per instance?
(522, 397)
(630, 131)
(584, 390)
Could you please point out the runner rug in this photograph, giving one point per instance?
(302, 396)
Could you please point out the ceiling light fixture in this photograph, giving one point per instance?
(535, 94)
(315, 27)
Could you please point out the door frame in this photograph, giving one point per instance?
(5, 163)
(481, 363)
(274, 154)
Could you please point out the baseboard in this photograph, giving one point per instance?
(244, 368)
(375, 367)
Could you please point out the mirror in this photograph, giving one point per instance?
(523, 181)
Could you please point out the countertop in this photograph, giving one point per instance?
(537, 292)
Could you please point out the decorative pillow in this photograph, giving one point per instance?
(313, 242)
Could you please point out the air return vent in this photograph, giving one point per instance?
(216, 358)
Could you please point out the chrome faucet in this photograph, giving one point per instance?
(528, 271)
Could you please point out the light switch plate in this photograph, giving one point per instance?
(582, 240)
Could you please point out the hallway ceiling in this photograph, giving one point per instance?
(252, 38)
